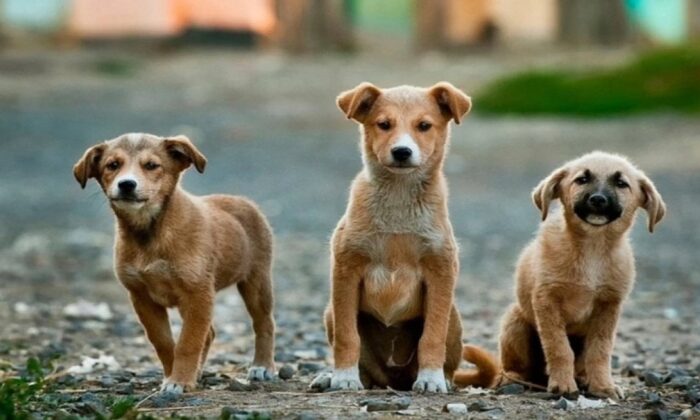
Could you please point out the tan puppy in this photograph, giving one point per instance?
(173, 249)
(391, 319)
(573, 278)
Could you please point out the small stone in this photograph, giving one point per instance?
(659, 414)
(693, 396)
(107, 381)
(633, 369)
(286, 372)
(322, 382)
(653, 400)
(511, 389)
(455, 408)
(479, 405)
(682, 382)
(564, 404)
(213, 380)
(237, 386)
(164, 399)
(653, 379)
(691, 413)
(285, 357)
(391, 404)
(124, 389)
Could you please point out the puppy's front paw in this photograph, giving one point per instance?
(562, 385)
(346, 379)
(173, 387)
(430, 380)
(260, 373)
(322, 382)
(607, 390)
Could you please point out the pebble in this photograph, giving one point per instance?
(682, 382)
(286, 372)
(214, 380)
(691, 413)
(479, 405)
(391, 404)
(693, 396)
(456, 408)
(164, 399)
(564, 404)
(653, 379)
(237, 386)
(124, 389)
(238, 414)
(653, 400)
(511, 389)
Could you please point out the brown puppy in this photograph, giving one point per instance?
(573, 278)
(391, 319)
(173, 249)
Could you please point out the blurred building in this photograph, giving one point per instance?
(309, 25)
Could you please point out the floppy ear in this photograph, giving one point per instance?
(548, 190)
(86, 167)
(651, 202)
(453, 102)
(182, 150)
(356, 103)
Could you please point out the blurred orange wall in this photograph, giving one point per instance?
(108, 19)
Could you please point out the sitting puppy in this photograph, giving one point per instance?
(573, 278)
(173, 249)
(391, 320)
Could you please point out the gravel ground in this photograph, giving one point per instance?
(270, 129)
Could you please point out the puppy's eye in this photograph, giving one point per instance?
(113, 165)
(149, 166)
(384, 125)
(424, 126)
(582, 180)
(621, 184)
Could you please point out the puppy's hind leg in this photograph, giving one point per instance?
(205, 351)
(256, 292)
(515, 347)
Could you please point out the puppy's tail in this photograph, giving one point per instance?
(485, 375)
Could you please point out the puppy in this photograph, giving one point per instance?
(391, 319)
(173, 249)
(573, 278)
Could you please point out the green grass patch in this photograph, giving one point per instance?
(661, 80)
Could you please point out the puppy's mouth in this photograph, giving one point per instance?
(128, 200)
(401, 168)
(598, 218)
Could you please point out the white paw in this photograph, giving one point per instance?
(430, 380)
(322, 382)
(260, 373)
(346, 379)
(173, 388)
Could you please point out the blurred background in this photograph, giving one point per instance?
(253, 83)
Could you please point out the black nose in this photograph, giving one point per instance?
(127, 186)
(401, 154)
(598, 201)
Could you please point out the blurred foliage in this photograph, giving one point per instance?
(115, 67)
(666, 79)
(31, 392)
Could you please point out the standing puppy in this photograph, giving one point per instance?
(573, 278)
(173, 249)
(391, 318)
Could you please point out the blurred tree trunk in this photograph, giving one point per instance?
(430, 24)
(602, 22)
(694, 19)
(313, 25)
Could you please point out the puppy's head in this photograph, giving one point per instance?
(136, 171)
(405, 128)
(600, 190)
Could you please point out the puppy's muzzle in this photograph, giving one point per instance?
(599, 208)
(127, 187)
(401, 154)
